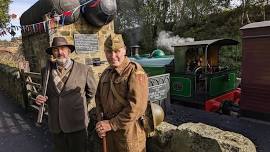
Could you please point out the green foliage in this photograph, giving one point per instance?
(218, 25)
(127, 14)
(199, 19)
(4, 17)
(231, 57)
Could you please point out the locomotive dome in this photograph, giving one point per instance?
(158, 53)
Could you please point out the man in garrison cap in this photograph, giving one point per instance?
(121, 100)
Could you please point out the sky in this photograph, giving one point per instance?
(19, 6)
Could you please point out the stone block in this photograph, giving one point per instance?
(65, 33)
(160, 140)
(197, 137)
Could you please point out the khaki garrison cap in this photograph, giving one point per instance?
(114, 42)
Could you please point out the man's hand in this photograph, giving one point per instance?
(41, 99)
(102, 127)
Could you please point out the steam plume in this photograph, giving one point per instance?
(165, 40)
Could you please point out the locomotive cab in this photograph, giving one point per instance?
(198, 75)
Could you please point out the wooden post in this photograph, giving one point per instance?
(104, 142)
(24, 90)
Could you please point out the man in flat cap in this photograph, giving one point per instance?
(71, 86)
(121, 100)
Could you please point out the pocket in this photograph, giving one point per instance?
(120, 85)
(120, 80)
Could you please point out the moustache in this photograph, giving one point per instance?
(61, 61)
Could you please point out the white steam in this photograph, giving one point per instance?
(165, 40)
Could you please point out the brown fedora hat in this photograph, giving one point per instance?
(57, 42)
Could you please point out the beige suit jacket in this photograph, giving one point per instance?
(68, 109)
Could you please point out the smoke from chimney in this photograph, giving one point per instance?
(165, 40)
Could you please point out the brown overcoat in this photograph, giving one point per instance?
(68, 109)
(130, 81)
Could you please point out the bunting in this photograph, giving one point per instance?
(11, 30)
(54, 22)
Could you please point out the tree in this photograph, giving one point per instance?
(171, 15)
(262, 5)
(127, 14)
(4, 16)
(258, 6)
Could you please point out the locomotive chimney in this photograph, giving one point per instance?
(134, 50)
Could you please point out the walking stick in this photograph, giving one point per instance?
(104, 144)
(44, 90)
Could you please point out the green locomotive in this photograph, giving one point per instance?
(196, 76)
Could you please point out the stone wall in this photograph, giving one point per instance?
(11, 83)
(34, 50)
(35, 44)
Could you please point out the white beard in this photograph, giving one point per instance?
(61, 61)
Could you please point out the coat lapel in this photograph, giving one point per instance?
(70, 78)
(54, 85)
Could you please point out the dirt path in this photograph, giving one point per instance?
(18, 132)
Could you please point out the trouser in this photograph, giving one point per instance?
(70, 142)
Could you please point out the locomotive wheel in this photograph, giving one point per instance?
(228, 107)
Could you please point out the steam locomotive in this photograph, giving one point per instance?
(196, 77)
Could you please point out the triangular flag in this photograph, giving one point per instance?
(24, 29)
(28, 28)
(49, 25)
(67, 13)
(41, 27)
(63, 20)
(38, 28)
(44, 26)
(52, 23)
(94, 4)
(33, 27)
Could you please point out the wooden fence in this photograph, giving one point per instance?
(31, 87)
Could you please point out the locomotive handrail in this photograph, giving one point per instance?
(197, 69)
(195, 84)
